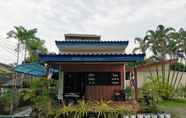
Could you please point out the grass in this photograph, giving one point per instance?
(176, 107)
(171, 104)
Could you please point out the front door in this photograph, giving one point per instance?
(75, 82)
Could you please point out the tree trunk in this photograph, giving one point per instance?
(25, 54)
(174, 72)
(18, 50)
(163, 72)
(168, 77)
(157, 74)
(169, 70)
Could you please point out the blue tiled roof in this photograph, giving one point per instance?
(61, 44)
(92, 57)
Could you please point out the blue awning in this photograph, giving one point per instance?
(31, 69)
(92, 58)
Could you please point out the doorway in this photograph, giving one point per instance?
(75, 82)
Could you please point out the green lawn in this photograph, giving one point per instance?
(171, 104)
(176, 107)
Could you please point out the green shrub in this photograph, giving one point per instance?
(5, 102)
(181, 92)
(41, 94)
(158, 88)
(100, 109)
(178, 67)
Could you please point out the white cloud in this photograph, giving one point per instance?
(113, 19)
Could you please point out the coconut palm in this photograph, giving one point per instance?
(22, 35)
(159, 41)
(143, 46)
(29, 39)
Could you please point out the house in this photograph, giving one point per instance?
(5, 71)
(89, 66)
(5, 68)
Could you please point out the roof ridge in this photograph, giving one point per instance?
(57, 41)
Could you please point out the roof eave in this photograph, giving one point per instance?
(93, 58)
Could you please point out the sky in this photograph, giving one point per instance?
(112, 19)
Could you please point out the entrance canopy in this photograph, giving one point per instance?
(93, 58)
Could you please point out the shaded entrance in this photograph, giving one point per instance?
(75, 82)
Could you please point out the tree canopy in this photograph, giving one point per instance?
(28, 38)
(163, 42)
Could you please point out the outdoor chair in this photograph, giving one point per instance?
(71, 98)
(119, 95)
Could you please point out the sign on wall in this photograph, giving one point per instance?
(103, 78)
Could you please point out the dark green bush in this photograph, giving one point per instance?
(178, 67)
(5, 102)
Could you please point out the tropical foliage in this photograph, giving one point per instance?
(162, 44)
(31, 42)
(5, 102)
(101, 109)
(158, 89)
(40, 95)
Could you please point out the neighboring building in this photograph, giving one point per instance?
(5, 71)
(5, 67)
(89, 66)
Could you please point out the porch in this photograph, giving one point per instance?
(91, 81)
(92, 76)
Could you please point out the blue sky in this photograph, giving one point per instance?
(113, 19)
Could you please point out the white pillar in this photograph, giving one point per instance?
(60, 84)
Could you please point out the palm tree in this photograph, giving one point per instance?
(30, 41)
(18, 34)
(35, 47)
(158, 42)
(143, 46)
(165, 43)
(27, 38)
